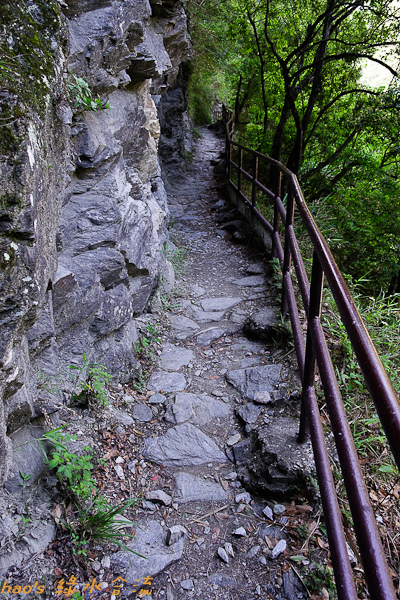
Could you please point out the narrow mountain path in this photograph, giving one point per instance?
(212, 413)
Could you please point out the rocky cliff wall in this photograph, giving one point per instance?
(84, 214)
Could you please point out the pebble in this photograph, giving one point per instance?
(157, 398)
(267, 512)
(159, 496)
(240, 532)
(229, 549)
(132, 466)
(243, 497)
(119, 460)
(142, 412)
(119, 471)
(148, 505)
(278, 549)
(174, 534)
(233, 440)
(279, 509)
(187, 584)
(223, 555)
(262, 560)
(232, 475)
(253, 551)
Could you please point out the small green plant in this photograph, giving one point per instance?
(25, 478)
(81, 95)
(91, 379)
(72, 470)
(102, 523)
(177, 256)
(321, 576)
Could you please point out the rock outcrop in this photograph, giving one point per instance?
(84, 215)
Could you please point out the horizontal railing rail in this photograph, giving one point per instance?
(313, 351)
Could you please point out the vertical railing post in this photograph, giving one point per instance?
(240, 166)
(254, 179)
(287, 255)
(276, 187)
(314, 312)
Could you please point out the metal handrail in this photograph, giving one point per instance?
(314, 351)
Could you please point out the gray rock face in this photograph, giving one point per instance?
(183, 445)
(255, 381)
(207, 316)
(84, 211)
(162, 381)
(251, 281)
(150, 542)
(217, 304)
(198, 410)
(260, 325)
(249, 412)
(173, 358)
(189, 488)
(142, 412)
(209, 335)
(183, 327)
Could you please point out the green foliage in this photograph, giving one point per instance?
(177, 256)
(71, 469)
(81, 95)
(90, 380)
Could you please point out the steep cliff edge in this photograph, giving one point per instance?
(84, 216)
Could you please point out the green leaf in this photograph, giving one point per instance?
(53, 463)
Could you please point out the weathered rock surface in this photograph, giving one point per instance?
(190, 487)
(198, 410)
(173, 358)
(150, 542)
(255, 382)
(183, 327)
(164, 381)
(183, 445)
(260, 325)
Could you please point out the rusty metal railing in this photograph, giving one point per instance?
(314, 351)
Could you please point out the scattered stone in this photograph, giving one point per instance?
(253, 551)
(159, 496)
(157, 399)
(262, 397)
(181, 446)
(120, 416)
(229, 549)
(209, 335)
(234, 439)
(132, 466)
(278, 549)
(249, 413)
(231, 476)
(149, 542)
(223, 555)
(243, 451)
(142, 412)
(183, 327)
(198, 410)
(255, 269)
(260, 325)
(219, 304)
(119, 471)
(205, 317)
(175, 533)
(243, 498)
(119, 460)
(190, 487)
(222, 580)
(161, 381)
(197, 290)
(267, 512)
(240, 532)
(106, 562)
(173, 358)
(262, 560)
(146, 505)
(187, 584)
(279, 509)
(251, 281)
(255, 379)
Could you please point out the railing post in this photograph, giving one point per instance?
(240, 166)
(314, 312)
(255, 177)
(287, 254)
(277, 190)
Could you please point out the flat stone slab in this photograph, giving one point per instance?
(162, 381)
(217, 304)
(183, 327)
(183, 445)
(252, 382)
(260, 325)
(206, 337)
(173, 357)
(198, 410)
(205, 317)
(189, 488)
(251, 281)
(197, 290)
(142, 412)
(150, 542)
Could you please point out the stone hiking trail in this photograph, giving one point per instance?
(221, 403)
